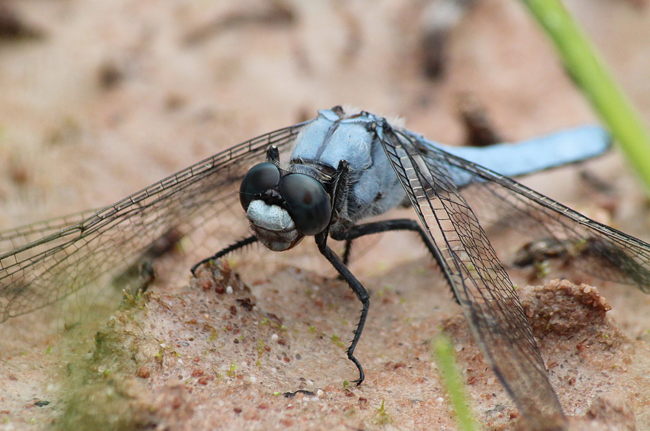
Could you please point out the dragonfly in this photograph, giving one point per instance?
(325, 178)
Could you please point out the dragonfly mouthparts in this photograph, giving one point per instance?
(273, 226)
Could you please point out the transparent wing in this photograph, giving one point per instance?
(524, 215)
(17, 237)
(51, 260)
(479, 281)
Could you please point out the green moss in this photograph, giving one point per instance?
(100, 405)
(98, 390)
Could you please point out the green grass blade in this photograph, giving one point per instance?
(444, 353)
(594, 79)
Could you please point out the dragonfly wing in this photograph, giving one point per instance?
(13, 238)
(477, 278)
(71, 253)
(520, 213)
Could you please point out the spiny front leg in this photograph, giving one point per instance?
(357, 288)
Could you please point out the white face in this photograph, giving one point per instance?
(273, 226)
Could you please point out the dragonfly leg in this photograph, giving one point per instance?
(386, 226)
(357, 288)
(346, 253)
(234, 247)
(273, 155)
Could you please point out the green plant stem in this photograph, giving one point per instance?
(595, 80)
(443, 351)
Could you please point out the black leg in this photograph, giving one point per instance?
(236, 246)
(357, 288)
(273, 155)
(346, 253)
(385, 226)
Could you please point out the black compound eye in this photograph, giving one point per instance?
(309, 204)
(258, 179)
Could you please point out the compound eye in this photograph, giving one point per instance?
(309, 204)
(258, 179)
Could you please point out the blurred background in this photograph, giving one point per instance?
(101, 98)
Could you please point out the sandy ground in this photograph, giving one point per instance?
(100, 99)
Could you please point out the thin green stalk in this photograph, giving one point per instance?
(443, 351)
(594, 79)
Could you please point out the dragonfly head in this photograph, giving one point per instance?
(283, 207)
